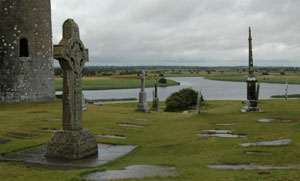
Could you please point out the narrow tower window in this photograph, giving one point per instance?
(24, 48)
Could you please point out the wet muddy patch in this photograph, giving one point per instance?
(268, 143)
(4, 141)
(21, 135)
(111, 136)
(36, 157)
(250, 167)
(134, 171)
(131, 125)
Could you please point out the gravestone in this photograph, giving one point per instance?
(252, 86)
(199, 97)
(155, 102)
(142, 105)
(73, 142)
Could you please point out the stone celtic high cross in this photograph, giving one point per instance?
(73, 142)
(72, 56)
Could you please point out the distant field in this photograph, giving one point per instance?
(114, 82)
(273, 77)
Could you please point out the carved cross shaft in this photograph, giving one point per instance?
(72, 56)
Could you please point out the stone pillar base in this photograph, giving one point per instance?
(142, 105)
(251, 109)
(155, 104)
(72, 144)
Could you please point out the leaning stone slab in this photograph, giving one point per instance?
(268, 143)
(250, 167)
(36, 157)
(134, 171)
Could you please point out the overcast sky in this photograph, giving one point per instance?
(184, 32)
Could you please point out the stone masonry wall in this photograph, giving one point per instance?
(26, 78)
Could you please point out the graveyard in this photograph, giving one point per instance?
(166, 139)
(50, 131)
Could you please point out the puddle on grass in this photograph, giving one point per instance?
(268, 143)
(249, 167)
(217, 131)
(130, 125)
(134, 171)
(21, 135)
(4, 141)
(223, 135)
(52, 119)
(111, 136)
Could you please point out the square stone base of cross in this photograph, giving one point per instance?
(72, 144)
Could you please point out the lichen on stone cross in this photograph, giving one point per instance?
(72, 56)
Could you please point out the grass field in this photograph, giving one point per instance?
(168, 139)
(273, 77)
(114, 82)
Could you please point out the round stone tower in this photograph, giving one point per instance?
(26, 64)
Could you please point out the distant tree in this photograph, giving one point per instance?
(162, 80)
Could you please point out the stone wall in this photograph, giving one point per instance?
(22, 77)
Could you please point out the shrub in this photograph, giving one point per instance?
(181, 100)
(162, 81)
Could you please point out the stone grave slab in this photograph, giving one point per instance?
(134, 171)
(21, 135)
(265, 120)
(4, 141)
(250, 167)
(111, 136)
(225, 124)
(52, 119)
(268, 143)
(217, 131)
(36, 157)
(130, 125)
(222, 135)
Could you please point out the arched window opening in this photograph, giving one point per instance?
(24, 52)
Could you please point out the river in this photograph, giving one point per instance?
(211, 90)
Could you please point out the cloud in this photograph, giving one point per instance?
(186, 32)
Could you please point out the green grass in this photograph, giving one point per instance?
(114, 82)
(168, 140)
